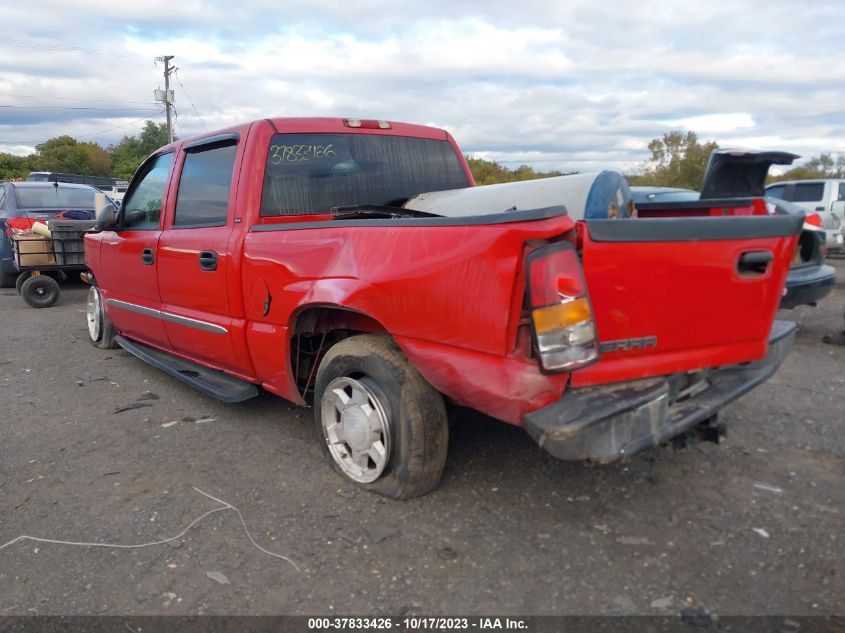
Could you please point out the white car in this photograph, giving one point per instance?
(825, 197)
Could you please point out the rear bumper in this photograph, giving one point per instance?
(835, 239)
(809, 285)
(604, 424)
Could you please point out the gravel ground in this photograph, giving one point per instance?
(752, 526)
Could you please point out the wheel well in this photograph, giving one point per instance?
(315, 330)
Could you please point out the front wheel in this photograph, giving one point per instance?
(380, 424)
(40, 291)
(100, 330)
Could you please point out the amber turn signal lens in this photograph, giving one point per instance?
(561, 315)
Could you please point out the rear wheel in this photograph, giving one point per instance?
(19, 281)
(40, 291)
(100, 330)
(380, 424)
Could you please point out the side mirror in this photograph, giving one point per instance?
(838, 208)
(105, 213)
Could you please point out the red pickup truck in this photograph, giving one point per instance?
(279, 254)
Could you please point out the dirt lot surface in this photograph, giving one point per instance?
(752, 526)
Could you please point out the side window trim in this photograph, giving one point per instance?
(203, 143)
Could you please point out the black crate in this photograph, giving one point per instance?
(68, 240)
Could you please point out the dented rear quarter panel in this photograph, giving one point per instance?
(449, 296)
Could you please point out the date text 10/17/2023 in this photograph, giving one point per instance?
(417, 623)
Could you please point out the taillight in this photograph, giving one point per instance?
(814, 218)
(561, 312)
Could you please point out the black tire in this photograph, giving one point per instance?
(19, 281)
(415, 413)
(7, 280)
(101, 332)
(40, 291)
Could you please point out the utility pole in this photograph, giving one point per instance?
(167, 95)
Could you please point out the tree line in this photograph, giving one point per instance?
(68, 155)
(486, 172)
(678, 159)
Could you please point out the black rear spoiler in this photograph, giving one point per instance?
(740, 173)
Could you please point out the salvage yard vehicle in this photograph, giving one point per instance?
(824, 196)
(35, 262)
(279, 254)
(809, 280)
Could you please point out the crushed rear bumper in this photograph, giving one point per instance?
(616, 421)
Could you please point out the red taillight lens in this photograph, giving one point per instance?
(555, 274)
(814, 218)
(561, 313)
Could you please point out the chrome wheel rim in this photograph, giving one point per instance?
(92, 314)
(356, 428)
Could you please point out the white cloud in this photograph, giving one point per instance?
(572, 85)
(715, 123)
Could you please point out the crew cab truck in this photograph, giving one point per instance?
(278, 255)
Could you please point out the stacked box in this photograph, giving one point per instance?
(68, 240)
(33, 250)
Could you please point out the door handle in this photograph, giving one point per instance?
(754, 262)
(148, 256)
(208, 260)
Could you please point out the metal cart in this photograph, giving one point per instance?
(44, 260)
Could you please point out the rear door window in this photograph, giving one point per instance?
(808, 192)
(841, 194)
(311, 173)
(203, 198)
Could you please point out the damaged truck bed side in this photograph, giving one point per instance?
(310, 257)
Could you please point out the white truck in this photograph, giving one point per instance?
(825, 196)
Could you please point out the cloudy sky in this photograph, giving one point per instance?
(557, 85)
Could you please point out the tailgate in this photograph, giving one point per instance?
(681, 294)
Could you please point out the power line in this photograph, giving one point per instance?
(51, 98)
(78, 136)
(190, 101)
(70, 49)
(117, 127)
(15, 107)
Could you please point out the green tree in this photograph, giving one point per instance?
(62, 154)
(127, 155)
(14, 167)
(99, 160)
(677, 160)
(487, 172)
(822, 166)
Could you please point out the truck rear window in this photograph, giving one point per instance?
(311, 173)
